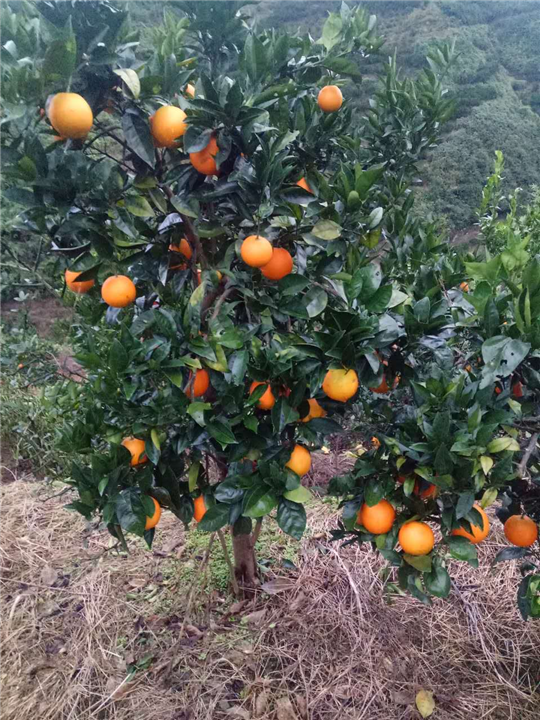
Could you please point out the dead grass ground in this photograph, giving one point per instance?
(96, 637)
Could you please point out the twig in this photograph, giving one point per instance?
(528, 452)
(193, 238)
(62, 492)
(31, 270)
(225, 294)
(257, 531)
(234, 583)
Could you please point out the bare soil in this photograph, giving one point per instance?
(42, 313)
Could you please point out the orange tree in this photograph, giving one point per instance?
(248, 262)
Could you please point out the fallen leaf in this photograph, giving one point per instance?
(238, 712)
(137, 582)
(236, 607)
(255, 618)
(425, 703)
(280, 584)
(49, 575)
(261, 703)
(301, 704)
(285, 710)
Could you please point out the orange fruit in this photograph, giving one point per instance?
(300, 460)
(375, 442)
(377, 519)
(464, 286)
(303, 183)
(267, 399)
(521, 530)
(281, 264)
(200, 385)
(330, 98)
(184, 248)
(204, 160)
(81, 287)
(383, 387)
(152, 520)
(478, 534)
(20, 366)
(416, 538)
(340, 384)
(256, 251)
(517, 389)
(430, 491)
(136, 448)
(70, 115)
(200, 508)
(498, 390)
(118, 291)
(168, 124)
(190, 90)
(315, 411)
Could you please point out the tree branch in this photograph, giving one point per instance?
(234, 582)
(527, 455)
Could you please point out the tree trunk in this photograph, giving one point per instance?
(245, 564)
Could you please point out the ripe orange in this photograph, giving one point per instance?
(281, 264)
(168, 124)
(340, 384)
(70, 115)
(315, 411)
(204, 160)
(377, 519)
(267, 399)
(464, 286)
(118, 291)
(20, 366)
(136, 448)
(517, 389)
(383, 387)
(256, 251)
(200, 508)
(184, 248)
(430, 491)
(200, 385)
(330, 98)
(375, 442)
(416, 538)
(478, 534)
(300, 460)
(153, 520)
(521, 530)
(303, 183)
(190, 90)
(81, 287)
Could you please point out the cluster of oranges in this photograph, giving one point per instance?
(258, 252)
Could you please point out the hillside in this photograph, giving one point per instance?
(495, 81)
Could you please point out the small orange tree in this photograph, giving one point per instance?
(248, 262)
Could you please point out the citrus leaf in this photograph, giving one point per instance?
(425, 703)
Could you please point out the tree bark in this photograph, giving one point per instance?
(245, 564)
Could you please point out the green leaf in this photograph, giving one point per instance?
(292, 284)
(511, 553)
(503, 352)
(139, 206)
(291, 518)
(327, 230)
(130, 511)
(443, 462)
(491, 318)
(259, 501)
(315, 301)
(464, 504)
(437, 582)
(375, 217)
(374, 492)
(371, 239)
(487, 463)
(137, 135)
(131, 80)
(221, 432)
(331, 33)
(216, 517)
(60, 58)
(503, 444)
(419, 562)
(422, 310)
(379, 300)
(461, 548)
(196, 410)
(255, 57)
(283, 414)
(343, 66)
(298, 495)
(118, 357)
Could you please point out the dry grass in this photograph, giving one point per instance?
(97, 639)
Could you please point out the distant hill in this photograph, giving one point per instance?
(495, 81)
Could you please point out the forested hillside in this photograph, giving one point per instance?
(495, 81)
